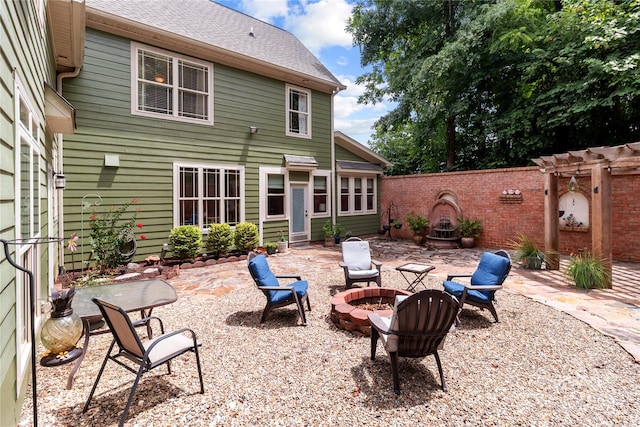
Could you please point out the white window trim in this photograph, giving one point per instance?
(326, 174)
(264, 193)
(176, 189)
(23, 345)
(135, 48)
(351, 210)
(288, 88)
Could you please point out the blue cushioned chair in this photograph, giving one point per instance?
(278, 296)
(492, 270)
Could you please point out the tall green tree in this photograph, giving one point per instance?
(513, 79)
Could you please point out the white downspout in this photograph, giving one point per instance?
(59, 196)
(332, 181)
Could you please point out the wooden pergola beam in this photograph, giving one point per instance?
(600, 163)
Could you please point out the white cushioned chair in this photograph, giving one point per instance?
(357, 263)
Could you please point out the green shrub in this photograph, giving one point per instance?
(220, 239)
(246, 237)
(186, 241)
(587, 271)
(112, 236)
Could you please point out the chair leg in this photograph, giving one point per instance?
(374, 342)
(195, 349)
(444, 387)
(131, 393)
(394, 369)
(463, 298)
(95, 384)
(492, 309)
(300, 304)
(308, 302)
(265, 312)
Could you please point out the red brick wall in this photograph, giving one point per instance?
(478, 196)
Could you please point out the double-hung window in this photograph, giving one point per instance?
(320, 194)
(357, 195)
(171, 86)
(208, 195)
(275, 195)
(298, 112)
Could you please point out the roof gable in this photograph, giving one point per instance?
(231, 37)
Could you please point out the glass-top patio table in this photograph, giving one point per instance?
(139, 295)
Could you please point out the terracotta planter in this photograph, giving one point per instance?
(329, 241)
(467, 242)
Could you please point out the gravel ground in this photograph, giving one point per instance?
(537, 367)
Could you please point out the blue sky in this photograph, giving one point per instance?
(320, 25)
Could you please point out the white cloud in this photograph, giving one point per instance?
(265, 10)
(321, 24)
(318, 24)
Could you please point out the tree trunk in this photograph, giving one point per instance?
(451, 142)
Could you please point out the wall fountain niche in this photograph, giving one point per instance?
(573, 212)
(443, 222)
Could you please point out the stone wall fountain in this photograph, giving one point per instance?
(443, 220)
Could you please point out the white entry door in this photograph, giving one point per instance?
(299, 215)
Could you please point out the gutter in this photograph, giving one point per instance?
(60, 166)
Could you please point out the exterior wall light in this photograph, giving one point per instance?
(253, 130)
(59, 181)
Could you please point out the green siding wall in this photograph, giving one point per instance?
(26, 53)
(358, 224)
(148, 147)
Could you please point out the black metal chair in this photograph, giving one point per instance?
(149, 355)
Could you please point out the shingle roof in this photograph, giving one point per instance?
(222, 27)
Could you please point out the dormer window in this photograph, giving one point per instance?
(171, 86)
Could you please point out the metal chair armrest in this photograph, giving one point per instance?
(146, 322)
(276, 288)
(482, 287)
(169, 335)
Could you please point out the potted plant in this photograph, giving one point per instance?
(587, 271)
(270, 247)
(528, 252)
(396, 224)
(283, 243)
(418, 225)
(469, 230)
(337, 231)
(327, 229)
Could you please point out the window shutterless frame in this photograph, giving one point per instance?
(170, 86)
(357, 195)
(298, 111)
(207, 194)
